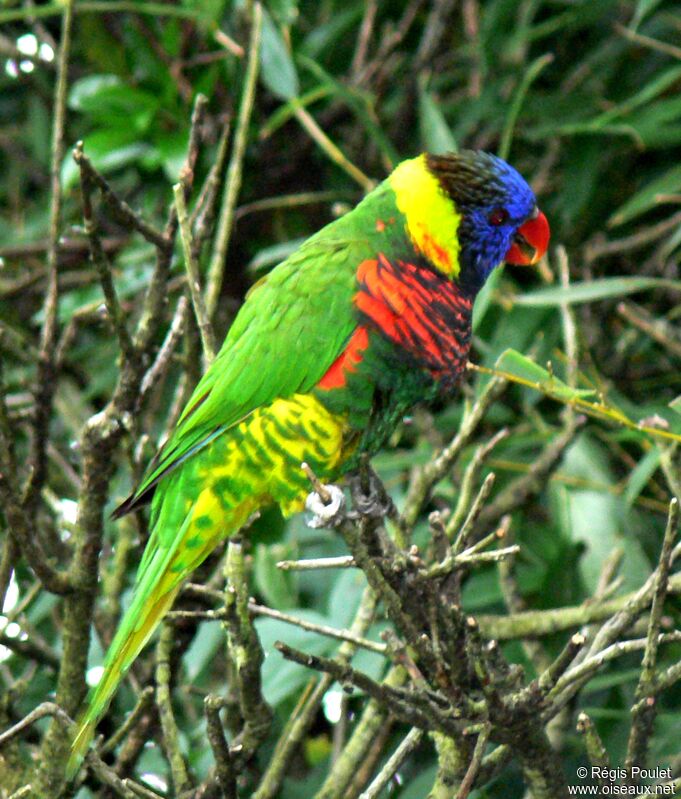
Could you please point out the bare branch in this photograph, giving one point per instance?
(406, 747)
(45, 382)
(216, 268)
(194, 277)
(45, 709)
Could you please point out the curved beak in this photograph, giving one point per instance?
(530, 241)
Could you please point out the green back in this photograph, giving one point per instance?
(294, 324)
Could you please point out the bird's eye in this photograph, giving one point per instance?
(498, 216)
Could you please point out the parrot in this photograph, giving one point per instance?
(329, 351)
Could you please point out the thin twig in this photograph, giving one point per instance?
(282, 201)
(462, 538)
(584, 670)
(245, 652)
(229, 44)
(363, 38)
(100, 259)
(408, 744)
(424, 479)
(659, 330)
(107, 776)
(322, 629)
(595, 750)
(320, 489)
(474, 766)
(45, 383)
(224, 765)
(332, 150)
(520, 489)
(188, 169)
(569, 325)
(44, 709)
(304, 715)
(143, 702)
(648, 41)
(644, 710)
(171, 736)
(194, 276)
(600, 247)
(216, 268)
(162, 361)
(533, 623)
(311, 564)
(205, 209)
(410, 706)
(120, 210)
(469, 479)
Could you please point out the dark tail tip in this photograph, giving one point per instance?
(133, 502)
(124, 508)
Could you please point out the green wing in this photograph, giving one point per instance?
(291, 328)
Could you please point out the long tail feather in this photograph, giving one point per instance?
(124, 649)
(165, 564)
(157, 587)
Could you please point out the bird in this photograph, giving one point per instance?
(329, 351)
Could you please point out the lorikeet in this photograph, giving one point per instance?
(329, 351)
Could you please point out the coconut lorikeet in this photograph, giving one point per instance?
(370, 316)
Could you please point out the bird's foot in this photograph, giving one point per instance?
(369, 497)
(329, 513)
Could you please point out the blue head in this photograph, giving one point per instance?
(500, 220)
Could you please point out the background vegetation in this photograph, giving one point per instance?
(307, 104)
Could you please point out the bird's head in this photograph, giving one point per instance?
(499, 217)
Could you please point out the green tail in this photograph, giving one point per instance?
(154, 595)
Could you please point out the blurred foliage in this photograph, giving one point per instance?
(586, 97)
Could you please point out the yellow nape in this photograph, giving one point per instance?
(432, 218)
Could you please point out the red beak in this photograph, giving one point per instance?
(530, 242)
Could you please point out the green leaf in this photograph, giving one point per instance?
(436, 134)
(531, 74)
(108, 150)
(675, 404)
(106, 99)
(423, 781)
(650, 90)
(641, 474)
(643, 9)
(360, 103)
(324, 34)
(486, 296)
(277, 69)
(595, 517)
(528, 371)
(648, 197)
(208, 12)
(275, 585)
(281, 677)
(84, 91)
(209, 639)
(589, 291)
(172, 148)
(284, 11)
(345, 596)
